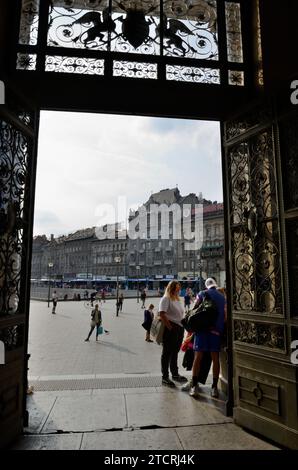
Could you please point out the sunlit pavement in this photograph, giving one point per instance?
(108, 394)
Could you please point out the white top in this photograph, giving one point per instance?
(173, 308)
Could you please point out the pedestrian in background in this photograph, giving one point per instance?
(187, 300)
(120, 302)
(143, 298)
(96, 320)
(148, 317)
(55, 301)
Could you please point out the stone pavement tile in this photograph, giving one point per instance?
(124, 391)
(220, 437)
(65, 377)
(87, 413)
(64, 393)
(157, 439)
(59, 442)
(140, 390)
(170, 409)
(39, 407)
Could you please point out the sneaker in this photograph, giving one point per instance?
(87, 339)
(168, 382)
(214, 392)
(194, 391)
(186, 387)
(179, 378)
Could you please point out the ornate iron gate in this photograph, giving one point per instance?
(264, 378)
(18, 137)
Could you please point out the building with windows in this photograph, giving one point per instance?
(152, 255)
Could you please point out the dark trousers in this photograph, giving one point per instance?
(172, 340)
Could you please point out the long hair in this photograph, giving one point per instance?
(171, 290)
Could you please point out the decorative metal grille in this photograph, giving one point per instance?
(234, 35)
(260, 334)
(12, 337)
(26, 61)
(193, 74)
(29, 22)
(236, 77)
(237, 127)
(13, 174)
(135, 27)
(70, 25)
(255, 229)
(134, 69)
(170, 29)
(74, 65)
(190, 29)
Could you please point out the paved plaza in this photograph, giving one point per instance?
(108, 394)
(57, 347)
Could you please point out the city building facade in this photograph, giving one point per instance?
(147, 257)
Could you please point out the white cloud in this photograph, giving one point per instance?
(88, 159)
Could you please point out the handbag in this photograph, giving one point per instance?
(157, 329)
(203, 318)
(145, 325)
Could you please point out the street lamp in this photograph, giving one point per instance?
(50, 265)
(138, 269)
(117, 260)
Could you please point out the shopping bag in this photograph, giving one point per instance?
(157, 329)
(99, 330)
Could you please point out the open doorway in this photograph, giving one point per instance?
(95, 175)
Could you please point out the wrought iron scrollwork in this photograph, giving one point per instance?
(12, 337)
(29, 22)
(134, 69)
(167, 29)
(13, 172)
(254, 223)
(193, 74)
(189, 29)
(78, 65)
(259, 334)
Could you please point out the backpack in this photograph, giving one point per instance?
(202, 318)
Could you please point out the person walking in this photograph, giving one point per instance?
(187, 300)
(96, 321)
(209, 341)
(148, 317)
(171, 313)
(143, 298)
(120, 302)
(55, 301)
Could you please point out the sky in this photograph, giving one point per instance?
(86, 161)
